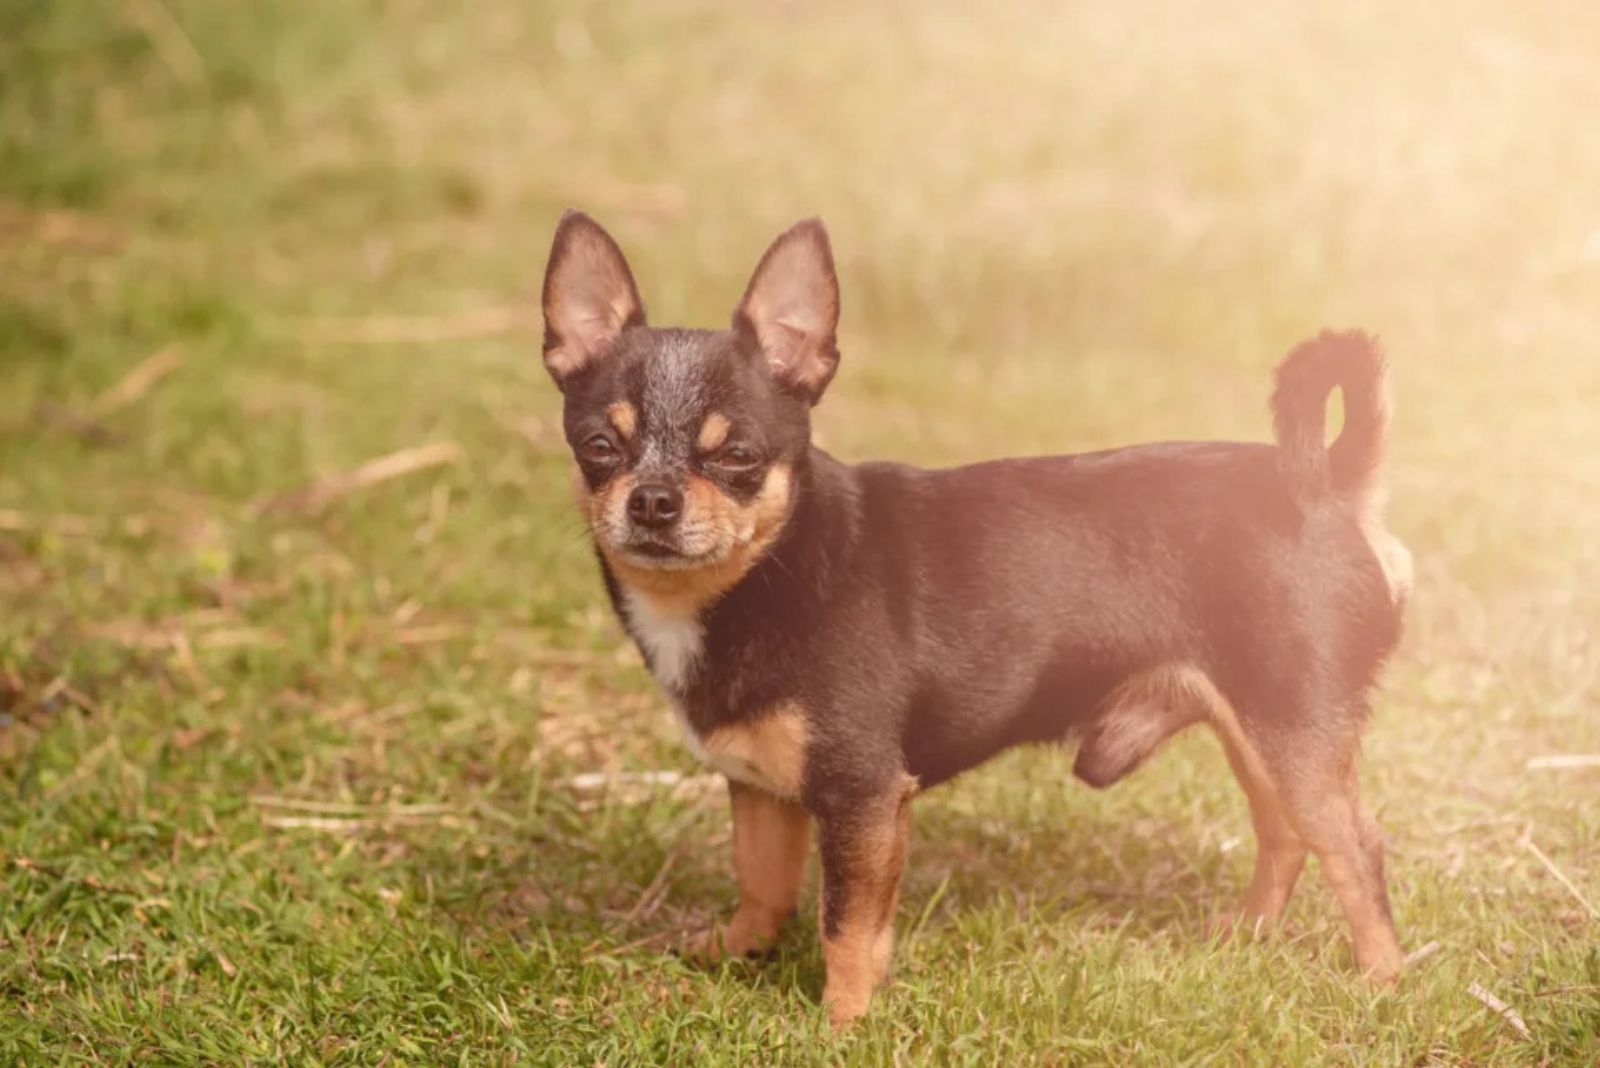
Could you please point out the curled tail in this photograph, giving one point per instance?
(1348, 468)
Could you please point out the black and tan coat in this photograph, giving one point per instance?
(838, 637)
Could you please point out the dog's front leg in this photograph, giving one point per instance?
(864, 843)
(770, 840)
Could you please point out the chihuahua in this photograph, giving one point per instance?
(835, 638)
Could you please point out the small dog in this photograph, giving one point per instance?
(835, 638)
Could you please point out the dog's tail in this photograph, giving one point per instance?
(1348, 468)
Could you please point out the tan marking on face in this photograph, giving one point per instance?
(768, 752)
(750, 530)
(713, 432)
(770, 840)
(608, 499)
(625, 417)
(858, 955)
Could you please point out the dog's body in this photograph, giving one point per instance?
(837, 637)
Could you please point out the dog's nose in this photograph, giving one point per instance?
(654, 505)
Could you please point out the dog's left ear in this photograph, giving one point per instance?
(589, 296)
(791, 309)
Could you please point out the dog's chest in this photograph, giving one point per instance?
(673, 646)
(767, 757)
(672, 643)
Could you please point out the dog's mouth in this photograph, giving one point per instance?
(654, 549)
(655, 552)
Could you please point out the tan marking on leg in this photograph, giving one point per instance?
(1280, 854)
(767, 751)
(1330, 823)
(867, 877)
(770, 840)
(713, 432)
(625, 417)
(1316, 798)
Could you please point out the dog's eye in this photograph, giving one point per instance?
(598, 450)
(736, 454)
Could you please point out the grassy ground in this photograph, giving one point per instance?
(290, 778)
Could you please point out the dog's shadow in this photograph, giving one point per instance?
(646, 895)
(1143, 878)
(638, 880)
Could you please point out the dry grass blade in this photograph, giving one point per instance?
(349, 808)
(21, 523)
(352, 824)
(50, 871)
(137, 382)
(1564, 761)
(637, 788)
(1506, 1012)
(424, 329)
(342, 825)
(169, 39)
(648, 902)
(137, 635)
(429, 634)
(595, 949)
(238, 638)
(320, 495)
(1560, 991)
(654, 892)
(1561, 877)
(79, 426)
(599, 780)
(132, 635)
(60, 227)
(185, 656)
(1422, 953)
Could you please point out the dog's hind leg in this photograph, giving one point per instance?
(1312, 774)
(1280, 851)
(1328, 813)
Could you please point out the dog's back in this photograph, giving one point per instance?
(835, 638)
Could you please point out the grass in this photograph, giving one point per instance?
(295, 785)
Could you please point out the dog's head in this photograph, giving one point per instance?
(687, 441)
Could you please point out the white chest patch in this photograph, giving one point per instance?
(671, 643)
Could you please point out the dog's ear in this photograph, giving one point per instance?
(589, 296)
(791, 309)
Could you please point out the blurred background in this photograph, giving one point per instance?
(300, 636)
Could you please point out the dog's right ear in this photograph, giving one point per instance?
(589, 296)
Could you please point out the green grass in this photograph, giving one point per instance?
(280, 786)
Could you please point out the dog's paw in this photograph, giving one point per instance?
(844, 1008)
(1382, 968)
(724, 942)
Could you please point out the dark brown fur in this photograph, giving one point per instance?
(838, 637)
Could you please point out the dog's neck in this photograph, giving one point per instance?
(817, 540)
(789, 583)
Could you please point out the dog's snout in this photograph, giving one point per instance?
(654, 505)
